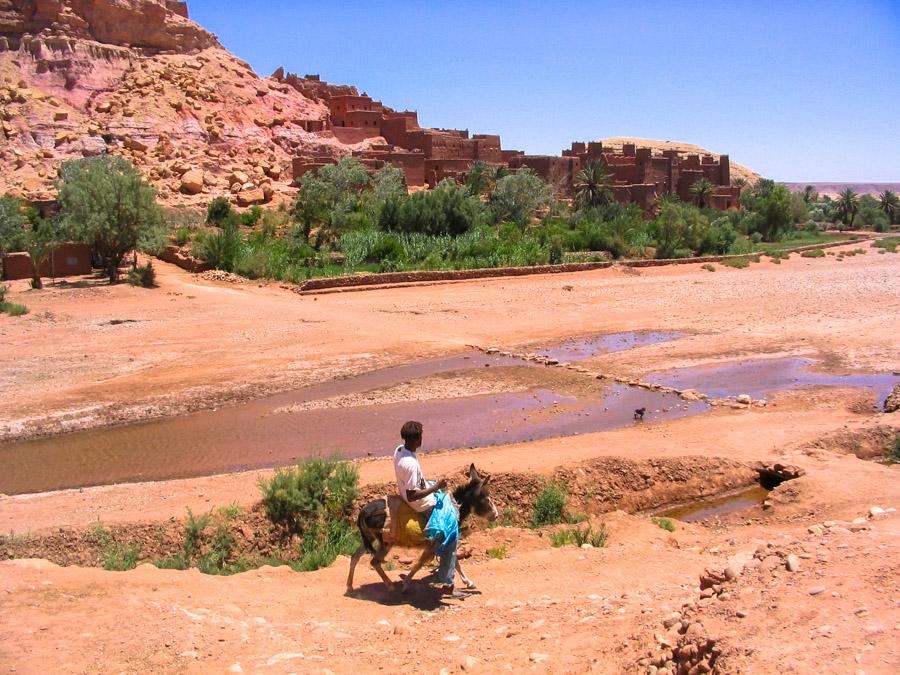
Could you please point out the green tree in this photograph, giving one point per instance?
(593, 186)
(701, 191)
(681, 229)
(771, 206)
(810, 196)
(40, 241)
(387, 183)
(889, 202)
(104, 201)
(847, 206)
(799, 208)
(517, 197)
(328, 195)
(448, 209)
(12, 226)
(478, 180)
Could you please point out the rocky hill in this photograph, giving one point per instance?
(138, 78)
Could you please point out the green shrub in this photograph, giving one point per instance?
(664, 523)
(221, 249)
(4, 289)
(894, 453)
(250, 217)
(888, 244)
(231, 511)
(387, 248)
(813, 253)
(315, 487)
(497, 553)
(218, 211)
(564, 537)
(175, 562)
(120, 558)
(549, 506)
(182, 235)
(143, 275)
(708, 267)
(596, 538)
(193, 532)
(13, 309)
(215, 560)
(736, 263)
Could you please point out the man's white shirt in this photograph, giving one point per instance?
(410, 477)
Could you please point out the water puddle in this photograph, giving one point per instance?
(248, 436)
(762, 377)
(585, 348)
(697, 512)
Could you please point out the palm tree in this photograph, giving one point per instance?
(702, 190)
(593, 186)
(890, 204)
(847, 206)
(739, 183)
(810, 195)
(477, 180)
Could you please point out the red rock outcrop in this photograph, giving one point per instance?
(137, 78)
(146, 24)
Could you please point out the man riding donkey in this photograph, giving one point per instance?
(423, 516)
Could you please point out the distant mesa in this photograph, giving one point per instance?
(138, 78)
(833, 189)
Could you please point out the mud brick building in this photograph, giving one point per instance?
(66, 260)
(428, 156)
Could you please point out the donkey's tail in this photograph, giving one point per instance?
(372, 519)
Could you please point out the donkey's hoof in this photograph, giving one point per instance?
(470, 584)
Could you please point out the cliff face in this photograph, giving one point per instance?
(159, 25)
(138, 78)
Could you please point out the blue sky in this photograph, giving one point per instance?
(796, 90)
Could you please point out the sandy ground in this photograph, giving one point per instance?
(194, 343)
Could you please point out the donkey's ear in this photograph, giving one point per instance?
(486, 481)
(473, 474)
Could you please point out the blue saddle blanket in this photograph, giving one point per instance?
(443, 524)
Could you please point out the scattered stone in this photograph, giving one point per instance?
(733, 571)
(793, 563)
(816, 590)
(744, 398)
(876, 511)
(251, 196)
(192, 181)
(469, 663)
(892, 403)
(741, 614)
(536, 657)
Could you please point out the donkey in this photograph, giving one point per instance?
(472, 498)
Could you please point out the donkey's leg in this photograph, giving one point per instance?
(462, 575)
(360, 552)
(377, 559)
(427, 555)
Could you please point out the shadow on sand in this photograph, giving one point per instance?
(421, 595)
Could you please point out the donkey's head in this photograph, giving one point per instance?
(473, 497)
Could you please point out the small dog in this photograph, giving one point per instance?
(639, 414)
